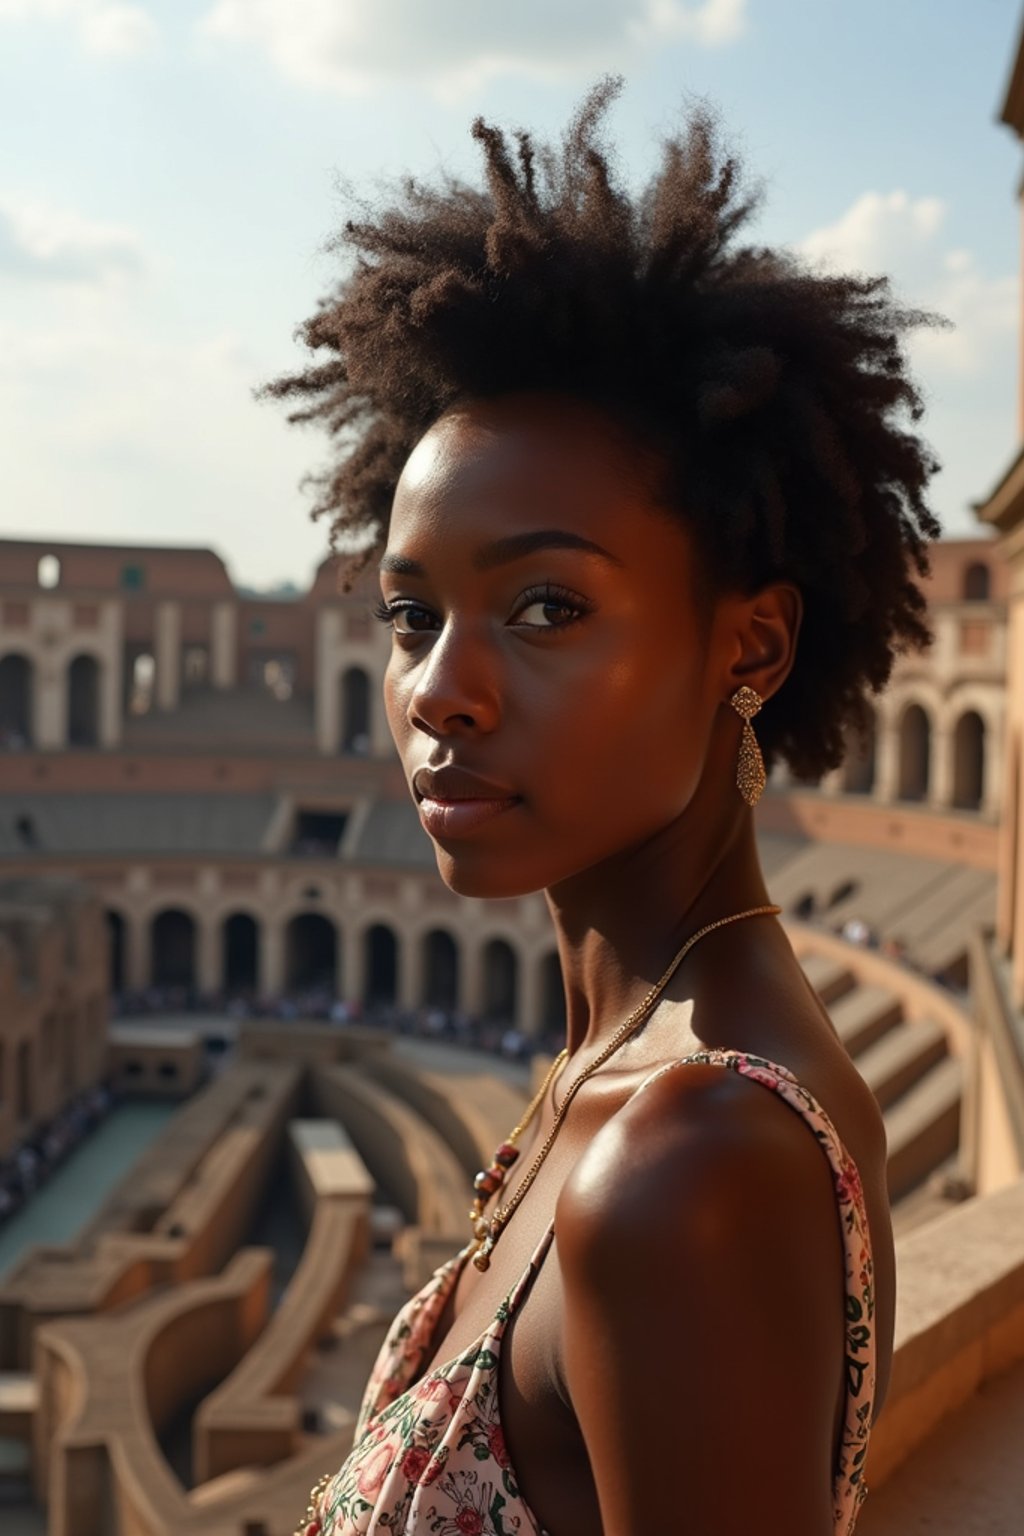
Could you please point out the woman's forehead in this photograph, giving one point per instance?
(524, 460)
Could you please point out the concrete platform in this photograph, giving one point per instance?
(967, 1479)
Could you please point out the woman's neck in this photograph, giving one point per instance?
(619, 925)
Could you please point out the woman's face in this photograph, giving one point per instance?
(546, 638)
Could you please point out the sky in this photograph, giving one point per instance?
(171, 172)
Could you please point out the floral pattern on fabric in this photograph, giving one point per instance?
(429, 1455)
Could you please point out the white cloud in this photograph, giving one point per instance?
(108, 28)
(878, 228)
(457, 45)
(968, 371)
(39, 240)
(900, 236)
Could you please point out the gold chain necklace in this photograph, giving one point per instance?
(486, 1231)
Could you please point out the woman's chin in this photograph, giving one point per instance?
(489, 879)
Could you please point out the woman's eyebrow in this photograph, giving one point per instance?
(513, 547)
(518, 544)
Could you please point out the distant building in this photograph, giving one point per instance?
(53, 1001)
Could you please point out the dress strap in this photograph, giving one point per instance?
(849, 1488)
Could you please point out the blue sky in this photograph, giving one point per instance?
(169, 174)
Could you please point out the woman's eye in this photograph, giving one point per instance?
(552, 613)
(404, 618)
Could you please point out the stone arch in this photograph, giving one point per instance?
(83, 701)
(440, 969)
(969, 761)
(240, 953)
(977, 582)
(859, 763)
(311, 953)
(552, 995)
(15, 702)
(915, 750)
(501, 982)
(115, 950)
(173, 962)
(355, 711)
(380, 987)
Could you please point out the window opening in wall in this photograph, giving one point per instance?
(133, 578)
(240, 954)
(15, 703)
(142, 687)
(311, 954)
(317, 834)
(116, 951)
(381, 969)
(501, 977)
(25, 827)
(977, 583)
(969, 762)
(441, 970)
(84, 702)
(23, 1081)
(914, 754)
(174, 954)
(48, 571)
(355, 712)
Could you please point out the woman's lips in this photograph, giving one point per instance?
(455, 818)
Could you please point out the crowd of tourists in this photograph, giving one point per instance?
(31, 1162)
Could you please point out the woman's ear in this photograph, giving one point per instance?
(766, 627)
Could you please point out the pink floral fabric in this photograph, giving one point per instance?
(429, 1455)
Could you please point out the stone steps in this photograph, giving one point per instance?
(862, 1015)
(901, 1057)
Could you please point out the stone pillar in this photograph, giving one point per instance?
(411, 971)
(994, 781)
(887, 758)
(327, 701)
(940, 769)
(224, 645)
(111, 677)
(209, 955)
(270, 969)
(49, 702)
(352, 962)
(167, 649)
(471, 977)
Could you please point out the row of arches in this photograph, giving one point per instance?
(17, 723)
(312, 964)
(915, 759)
(18, 726)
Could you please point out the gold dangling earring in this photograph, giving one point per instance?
(750, 774)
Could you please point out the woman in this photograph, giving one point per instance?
(629, 481)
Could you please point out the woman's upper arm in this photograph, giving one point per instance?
(702, 1266)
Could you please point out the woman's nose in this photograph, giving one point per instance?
(456, 688)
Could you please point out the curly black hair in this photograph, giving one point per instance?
(777, 396)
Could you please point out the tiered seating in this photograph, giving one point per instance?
(907, 1062)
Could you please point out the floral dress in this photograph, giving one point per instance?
(429, 1455)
